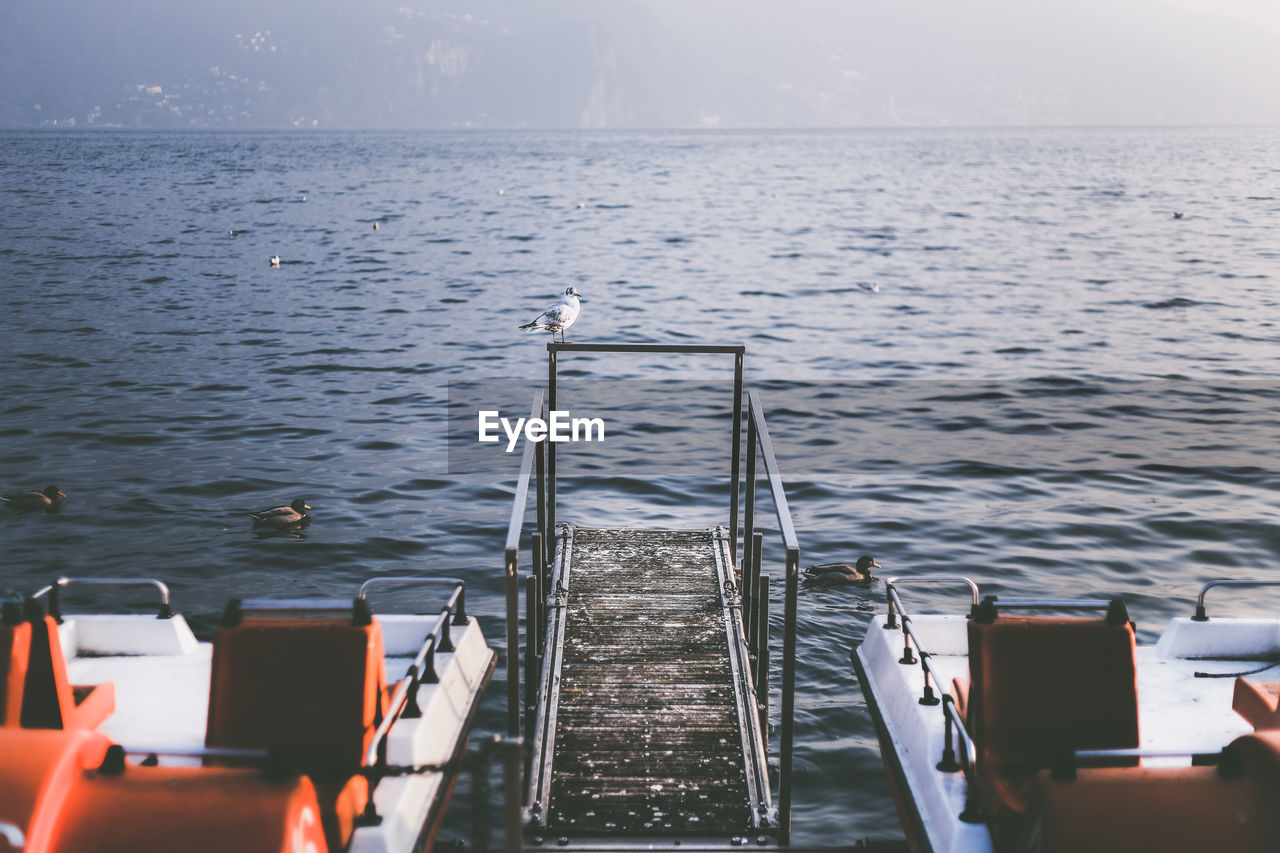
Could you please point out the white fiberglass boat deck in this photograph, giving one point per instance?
(999, 730)
(310, 723)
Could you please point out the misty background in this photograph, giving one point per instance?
(636, 63)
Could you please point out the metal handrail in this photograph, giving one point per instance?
(738, 351)
(758, 435)
(952, 720)
(53, 589)
(515, 528)
(404, 701)
(459, 612)
(1200, 615)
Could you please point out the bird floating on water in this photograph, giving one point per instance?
(275, 260)
(376, 226)
(870, 287)
(1177, 214)
(282, 516)
(834, 573)
(48, 499)
(560, 316)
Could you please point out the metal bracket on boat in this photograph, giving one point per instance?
(891, 592)
(54, 589)
(1201, 616)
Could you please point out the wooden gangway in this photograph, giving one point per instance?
(647, 722)
(646, 660)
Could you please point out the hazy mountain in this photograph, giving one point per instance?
(628, 63)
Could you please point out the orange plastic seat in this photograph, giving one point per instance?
(1040, 686)
(1174, 810)
(55, 791)
(312, 691)
(49, 701)
(1257, 702)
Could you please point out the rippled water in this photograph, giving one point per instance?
(1059, 387)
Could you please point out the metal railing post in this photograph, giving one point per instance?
(540, 490)
(513, 649)
(530, 648)
(788, 691)
(749, 513)
(512, 820)
(762, 658)
(736, 458)
(551, 447)
(539, 576)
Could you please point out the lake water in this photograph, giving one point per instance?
(1059, 387)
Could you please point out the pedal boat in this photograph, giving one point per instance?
(1040, 725)
(123, 733)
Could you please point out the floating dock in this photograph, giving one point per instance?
(647, 721)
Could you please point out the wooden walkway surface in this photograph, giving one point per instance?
(646, 722)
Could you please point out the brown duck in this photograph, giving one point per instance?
(49, 498)
(282, 516)
(834, 573)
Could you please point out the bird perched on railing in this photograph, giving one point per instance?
(835, 573)
(559, 316)
(282, 516)
(48, 499)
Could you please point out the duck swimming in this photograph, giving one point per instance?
(835, 573)
(282, 516)
(48, 499)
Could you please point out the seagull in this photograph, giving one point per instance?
(375, 226)
(843, 572)
(282, 516)
(560, 316)
(870, 287)
(1177, 214)
(48, 499)
(275, 260)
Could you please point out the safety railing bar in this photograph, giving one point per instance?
(196, 751)
(970, 754)
(516, 525)
(457, 600)
(166, 609)
(411, 680)
(1138, 752)
(1200, 615)
(783, 510)
(1051, 603)
(689, 349)
(891, 585)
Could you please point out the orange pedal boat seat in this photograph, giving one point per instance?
(57, 790)
(15, 649)
(1257, 702)
(1174, 810)
(46, 699)
(1039, 686)
(311, 690)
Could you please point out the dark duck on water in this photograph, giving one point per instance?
(841, 573)
(282, 516)
(50, 498)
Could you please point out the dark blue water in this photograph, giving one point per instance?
(1059, 387)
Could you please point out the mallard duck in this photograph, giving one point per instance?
(282, 516)
(49, 498)
(860, 572)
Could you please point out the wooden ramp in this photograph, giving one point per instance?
(646, 723)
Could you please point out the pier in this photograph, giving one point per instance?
(646, 661)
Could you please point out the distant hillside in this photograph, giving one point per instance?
(626, 63)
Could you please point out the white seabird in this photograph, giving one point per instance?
(275, 260)
(560, 316)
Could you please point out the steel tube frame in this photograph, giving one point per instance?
(758, 434)
(515, 527)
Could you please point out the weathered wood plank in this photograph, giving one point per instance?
(647, 739)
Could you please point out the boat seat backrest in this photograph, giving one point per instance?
(15, 648)
(307, 688)
(1041, 684)
(49, 701)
